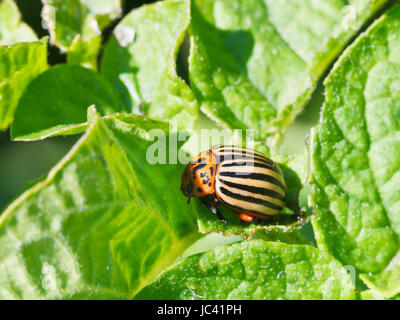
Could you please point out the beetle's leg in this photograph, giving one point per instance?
(298, 212)
(261, 221)
(257, 220)
(252, 219)
(245, 217)
(220, 216)
(213, 205)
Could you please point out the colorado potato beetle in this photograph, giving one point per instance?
(241, 179)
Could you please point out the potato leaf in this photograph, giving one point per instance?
(255, 63)
(104, 222)
(22, 58)
(355, 163)
(19, 65)
(254, 270)
(56, 102)
(75, 26)
(12, 29)
(140, 61)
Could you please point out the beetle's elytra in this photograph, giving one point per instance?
(241, 179)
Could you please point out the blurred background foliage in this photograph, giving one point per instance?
(22, 162)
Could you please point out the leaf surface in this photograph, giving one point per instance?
(12, 29)
(56, 102)
(102, 224)
(254, 64)
(355, 166)
(19, 65)
(254, 270)
(140, 61)
(84, 52)
(75, 26)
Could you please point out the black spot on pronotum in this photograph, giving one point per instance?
(200, 166)
(199, 190)
(198, 161)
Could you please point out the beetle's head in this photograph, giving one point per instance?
(198, 177)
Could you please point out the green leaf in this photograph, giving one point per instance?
(19, 65)
(370, 295)
(102, 224)
(254, 270)
(254, 64)
(140, 61)
(84, 52)
(19, 62)
(56, 102)
(75, 26)
(355, 164)
(386, 282)
(12, 29)
(209, 242)
(373, 295)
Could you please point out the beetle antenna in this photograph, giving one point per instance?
(188, 200)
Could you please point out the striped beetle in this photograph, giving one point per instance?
(241, 179)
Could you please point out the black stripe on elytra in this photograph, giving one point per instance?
(253, 176)
(243, 163)
(253, 189)
(249, 199)
(240, 209)
(200, 166)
